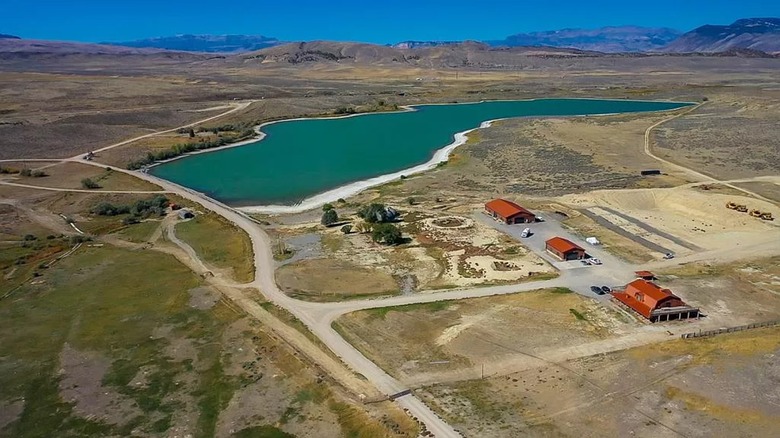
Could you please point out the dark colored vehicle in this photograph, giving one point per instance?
(596, 290)
(606, 289)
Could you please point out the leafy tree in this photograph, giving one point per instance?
(377, 213)
(108, 209)
(372, 213)
(388, 234)
(88, 183)
(327, 206)
(25, 172)
(329, 218)
(346, 229)
(38, 174)
(192, 133)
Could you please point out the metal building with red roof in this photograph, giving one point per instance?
(564, 249)
(654, 302)
(508, 212)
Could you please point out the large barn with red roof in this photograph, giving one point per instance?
(508, 212)
(654, 302)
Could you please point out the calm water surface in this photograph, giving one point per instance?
(301, 158)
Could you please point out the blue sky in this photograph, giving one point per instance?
(351, 20)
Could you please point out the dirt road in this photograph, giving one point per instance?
(689, 171)
(318, 317)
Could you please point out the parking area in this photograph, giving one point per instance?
(612, 271)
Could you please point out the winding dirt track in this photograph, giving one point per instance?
(318, 317)
(697, 175)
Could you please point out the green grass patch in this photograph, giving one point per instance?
(140, 232)
(110, 302)
(560, 290)
(262, 432)
(435, 306)
(220, 244)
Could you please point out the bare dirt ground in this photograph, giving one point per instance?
(444, 250)
(720, 386)
(733, 294)
(417, 342)
(329, 279)
(682, 219)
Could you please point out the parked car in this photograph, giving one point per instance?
(596, 290)
(606, 289)
(594, 261)
(668, 256)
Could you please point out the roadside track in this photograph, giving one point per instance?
(318, 317)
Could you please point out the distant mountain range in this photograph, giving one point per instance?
(745, 37)
(419, 44)
(205, 43)
(751, 33)
(605, 39)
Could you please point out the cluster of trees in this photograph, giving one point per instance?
(227, 128)
(345, 110)
(33, 173)
(377, 220)
(141, 209)
(377, 213)
(183, 148)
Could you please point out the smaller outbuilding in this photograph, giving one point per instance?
(564, 249)
(645, 275)
(508, 212)
(186, 214)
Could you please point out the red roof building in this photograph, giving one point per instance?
(564, 249)
(645, 275)
(654, 302)
(508, 212)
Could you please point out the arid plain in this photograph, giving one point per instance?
(159, 328)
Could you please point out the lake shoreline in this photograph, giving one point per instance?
(440, 155)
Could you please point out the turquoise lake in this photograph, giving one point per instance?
(301, 158)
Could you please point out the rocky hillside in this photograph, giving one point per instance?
(605, 39)
(761, 34)
(469, 54)
(205, 43)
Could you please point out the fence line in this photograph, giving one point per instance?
(701, 334)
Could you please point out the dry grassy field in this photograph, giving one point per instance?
(554, 363)
(452, 340)
(720, 386)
